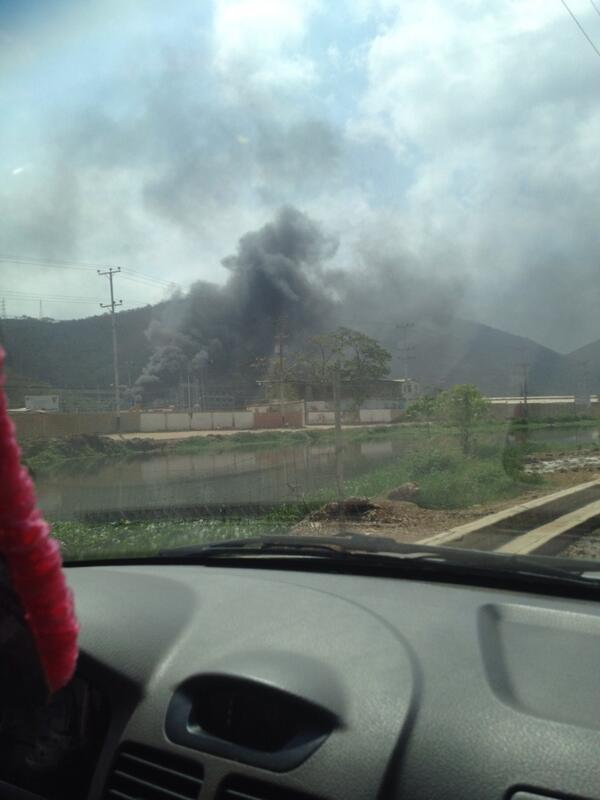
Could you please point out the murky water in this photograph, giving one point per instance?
(569, 437)
(243, 477)
(248, 477)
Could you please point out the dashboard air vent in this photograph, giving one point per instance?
(246, 721)
(141, 773)
(245, 789)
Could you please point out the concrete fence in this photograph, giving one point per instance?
(379, 415)
(508, 411)
(160, 421)
(328, 418)
(48, 426)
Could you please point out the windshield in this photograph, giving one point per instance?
(295, 268)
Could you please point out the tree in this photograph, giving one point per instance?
(424, 408)
(462, 406)
(352, 356)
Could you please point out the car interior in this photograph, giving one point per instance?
(300, 409)
(279, 679)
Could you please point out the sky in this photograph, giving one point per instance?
(458, 137)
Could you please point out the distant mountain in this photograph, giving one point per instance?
(588, 359)
(461, 351)
(78, 353)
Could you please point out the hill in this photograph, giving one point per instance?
(469, 352)
(588, 357)
(78, 353)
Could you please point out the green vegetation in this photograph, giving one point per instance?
(446, 479)
(463, 407)
(82, 540)
(81, 451)
(431, 456)
(344, 354)
(240, 441)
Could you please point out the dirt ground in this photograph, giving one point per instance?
(407, 522)
(586, 547)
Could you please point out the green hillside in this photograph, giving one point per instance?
(76, 354)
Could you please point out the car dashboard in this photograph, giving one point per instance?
(250, 683)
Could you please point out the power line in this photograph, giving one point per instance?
(27, 297)
(581, 28)
(83, 266)
(132, 274)
(56, 295)
(48, 262)
(53, 300)
(595, 7)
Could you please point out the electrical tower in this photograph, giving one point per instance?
(112, 305)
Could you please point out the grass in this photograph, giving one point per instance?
(429, 455)
(44, 456)
(446, 478)
(53, 455)
(244, 440)
(81, 540)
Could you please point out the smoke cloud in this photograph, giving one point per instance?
(476, 135)
(277, 280)
(281, 279)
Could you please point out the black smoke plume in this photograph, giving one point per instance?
(277, 284)
(280, 282)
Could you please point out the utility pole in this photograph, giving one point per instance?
(4, 308)
(41, 310)
(112, 305)
(279, 338)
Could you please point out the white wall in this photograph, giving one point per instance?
(373, 415)
(320, 417)
(244, 420)
(318, 405)
(152, 422)
(178, 421)
(42, 402)
(202, 421)
(222, 419)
